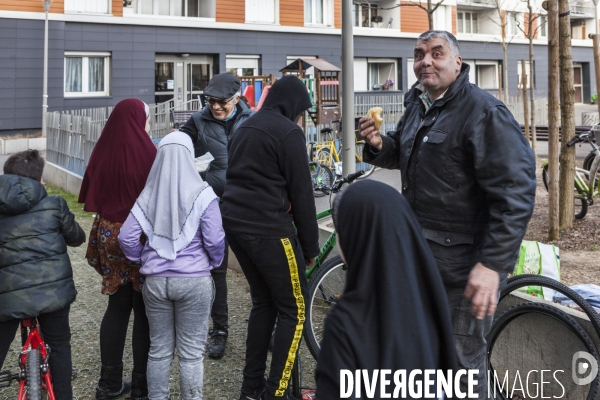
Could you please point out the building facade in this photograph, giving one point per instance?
(102, 51)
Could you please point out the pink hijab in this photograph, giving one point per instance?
(120, 163)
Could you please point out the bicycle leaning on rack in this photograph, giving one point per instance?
(326, 279)
(320, 174)
(586, 180)
(34, 376)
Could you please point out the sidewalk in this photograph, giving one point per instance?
(222, 378)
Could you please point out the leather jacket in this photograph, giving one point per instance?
(469, 175)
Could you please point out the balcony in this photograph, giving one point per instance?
(582, 10)
(475, 4)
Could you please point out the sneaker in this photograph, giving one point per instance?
(255, 396)
(217, 343)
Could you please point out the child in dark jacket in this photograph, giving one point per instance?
(36, 278)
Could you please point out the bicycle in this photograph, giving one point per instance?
(34, 376)
(326, 278)
(320, 174)
(586, 181)
(329, 155)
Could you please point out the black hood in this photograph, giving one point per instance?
(289, 97)
(19, 194)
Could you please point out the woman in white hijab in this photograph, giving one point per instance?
(174, 230)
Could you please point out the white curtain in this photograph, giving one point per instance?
(96, 74)
(73, 74)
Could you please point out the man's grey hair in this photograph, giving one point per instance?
(447, 36)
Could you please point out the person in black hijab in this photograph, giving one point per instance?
(394, 313)
(268, 192)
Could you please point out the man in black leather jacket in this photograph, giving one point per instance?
(469, 175)
(210, 130)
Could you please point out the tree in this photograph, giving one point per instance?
(505, 39)
(567, 116)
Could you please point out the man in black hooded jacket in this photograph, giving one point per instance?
(268, 192)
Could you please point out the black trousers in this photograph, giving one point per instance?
(57, 334)
(275, 270)
(113, 330)
(219, 312)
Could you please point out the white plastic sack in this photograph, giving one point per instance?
(539, 259)
(203, 162)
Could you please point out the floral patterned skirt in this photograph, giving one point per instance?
(105, 255)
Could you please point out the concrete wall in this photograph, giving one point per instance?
(11, 146)
(62, 178)
(535, 342)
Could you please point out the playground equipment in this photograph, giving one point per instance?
(255, 88)
(323, 82)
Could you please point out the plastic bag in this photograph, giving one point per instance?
(539, 259)
(203, 162)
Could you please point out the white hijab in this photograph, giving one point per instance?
(174, 199)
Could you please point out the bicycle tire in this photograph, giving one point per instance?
(580, 204)
(324, 288)
(362, 165)
(32, 371)
(587, 165)
(520, 281)
(324, 178)
(546, 309)
(325, 157)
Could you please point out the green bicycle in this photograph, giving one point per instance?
(326, 278)
(586, 180)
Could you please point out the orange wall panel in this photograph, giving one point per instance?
(58, 6)
(291, 12)
(454, 28)
(231, 11)
(413, 18)
(117, 8)
(337, 14)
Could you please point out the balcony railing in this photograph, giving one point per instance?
(582, 11)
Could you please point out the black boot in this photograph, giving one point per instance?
(111, 383)
(139, 387)
(217, 341)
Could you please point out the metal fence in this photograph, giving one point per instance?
(541, 110)
(72, 134)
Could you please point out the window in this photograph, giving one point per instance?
(87, 74)
(466, 22)
(261, 11)
(375, 74)
(316, 12)
(176, 8)
(243, 65)
(515, 23)
(87, 6)
(487, 74)
(365, 15)
(543, 21)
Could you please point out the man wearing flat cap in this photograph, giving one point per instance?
(210, 130)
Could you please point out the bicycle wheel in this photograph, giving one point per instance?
(32, 370)
(323, 178)
(580, 203)
(324, 157)
(362, 165)
(325, 288)
(587, 165)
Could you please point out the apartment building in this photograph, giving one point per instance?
(101, 51)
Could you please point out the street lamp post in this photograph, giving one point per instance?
(47, 4)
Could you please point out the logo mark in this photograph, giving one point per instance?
(583, 363)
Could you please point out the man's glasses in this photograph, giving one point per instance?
(212, 101)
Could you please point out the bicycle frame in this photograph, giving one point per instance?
(34, 340)
(588, 188)
(327, 247)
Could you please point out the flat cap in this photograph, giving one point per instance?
(222, 86)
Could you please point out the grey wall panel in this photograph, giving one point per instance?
(134, 49)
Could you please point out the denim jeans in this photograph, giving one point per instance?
(178, 311)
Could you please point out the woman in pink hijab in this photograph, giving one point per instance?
(114, 178)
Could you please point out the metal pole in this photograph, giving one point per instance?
(348, 139)
(45, 84)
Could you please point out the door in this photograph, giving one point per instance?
(181, 78)
(578, 83)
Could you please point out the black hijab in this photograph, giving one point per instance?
(289, 97)
(394, 313)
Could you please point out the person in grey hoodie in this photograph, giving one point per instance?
(175, 231)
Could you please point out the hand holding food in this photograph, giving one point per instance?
(375, 113)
